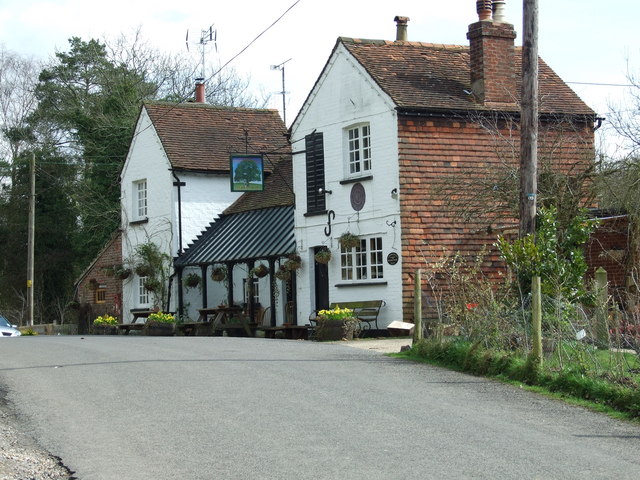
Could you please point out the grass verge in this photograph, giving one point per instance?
(571, 383)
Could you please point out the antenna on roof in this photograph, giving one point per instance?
(206, 36)
(283, 92)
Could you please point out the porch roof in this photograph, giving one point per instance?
(244, 236)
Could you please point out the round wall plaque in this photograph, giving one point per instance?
(358, 197)
(392, 258)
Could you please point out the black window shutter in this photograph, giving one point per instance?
(314, 145)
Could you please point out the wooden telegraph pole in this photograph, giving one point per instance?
(30, 241)
(529, 119)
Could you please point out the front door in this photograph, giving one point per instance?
(322, 283)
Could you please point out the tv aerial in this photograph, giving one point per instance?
(207, 36)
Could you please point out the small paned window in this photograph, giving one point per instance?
(143, 293)
(140, 198)
(359, 146)
(363, 262)
(100, 295)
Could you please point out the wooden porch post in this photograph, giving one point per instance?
(203, 270)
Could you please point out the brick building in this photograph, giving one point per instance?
(414, 147)
(98, 290)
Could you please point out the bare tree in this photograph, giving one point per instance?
(18, 76)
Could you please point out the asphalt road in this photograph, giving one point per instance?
(233, 408)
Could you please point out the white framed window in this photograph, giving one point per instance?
(359, 149)
(364, 262)
(140, 199)
(256, 290)
(143, 293)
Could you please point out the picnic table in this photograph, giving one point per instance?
(226, 319)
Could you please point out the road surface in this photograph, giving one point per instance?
(134, 407)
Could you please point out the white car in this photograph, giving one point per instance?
(8, 330)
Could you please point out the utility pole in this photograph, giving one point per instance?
(529, 119)
(284, 93)
(30, 240)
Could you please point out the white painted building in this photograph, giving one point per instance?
(175, 181)
(351, 123)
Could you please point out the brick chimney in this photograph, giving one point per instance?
(492, 53)
(200, 90)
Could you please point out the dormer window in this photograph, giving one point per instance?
(359, 149)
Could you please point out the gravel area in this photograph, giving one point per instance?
(21, 458)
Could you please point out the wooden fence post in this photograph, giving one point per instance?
(536, 320)
(417, 307)
(602, 308)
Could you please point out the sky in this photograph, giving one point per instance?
(584, 41)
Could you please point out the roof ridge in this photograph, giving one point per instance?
(208, 106)
(367, 41)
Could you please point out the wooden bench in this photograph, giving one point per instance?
(366, 311)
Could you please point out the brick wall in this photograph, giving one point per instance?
(609, 248)
(457, 178)
(97, 275)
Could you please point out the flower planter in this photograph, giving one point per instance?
(105, 329)
(335, 329)
(159, 329)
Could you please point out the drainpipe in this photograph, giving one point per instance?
(179, 184)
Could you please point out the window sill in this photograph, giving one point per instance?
(362, 284)
(315, 214)
(139, 222)
(356, 179)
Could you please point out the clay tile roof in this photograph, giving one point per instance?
(433, 76)
(197, 136)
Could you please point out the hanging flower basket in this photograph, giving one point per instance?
(121, 272)
(260, 271)
(192, 280)
(348, 241)
(152, 285)
(293, 262)
(323, 256)
(143, 270)
(218, 274)
(283, 274)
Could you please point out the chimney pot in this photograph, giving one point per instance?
(401, 28)
(499, 11)
(200, 97)
(484, 9)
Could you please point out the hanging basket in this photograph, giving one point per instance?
(192, 280)
(283, 274)
(348, 241)
(143, 270)
(218, 274)
(323, 256)
(261, 271)
(293, 262)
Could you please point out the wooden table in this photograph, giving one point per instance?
(222, 317)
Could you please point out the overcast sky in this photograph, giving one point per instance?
(587, 41)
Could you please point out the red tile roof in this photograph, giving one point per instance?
(200, 137)
(432, 76)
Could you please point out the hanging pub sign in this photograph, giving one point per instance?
(247, 173)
